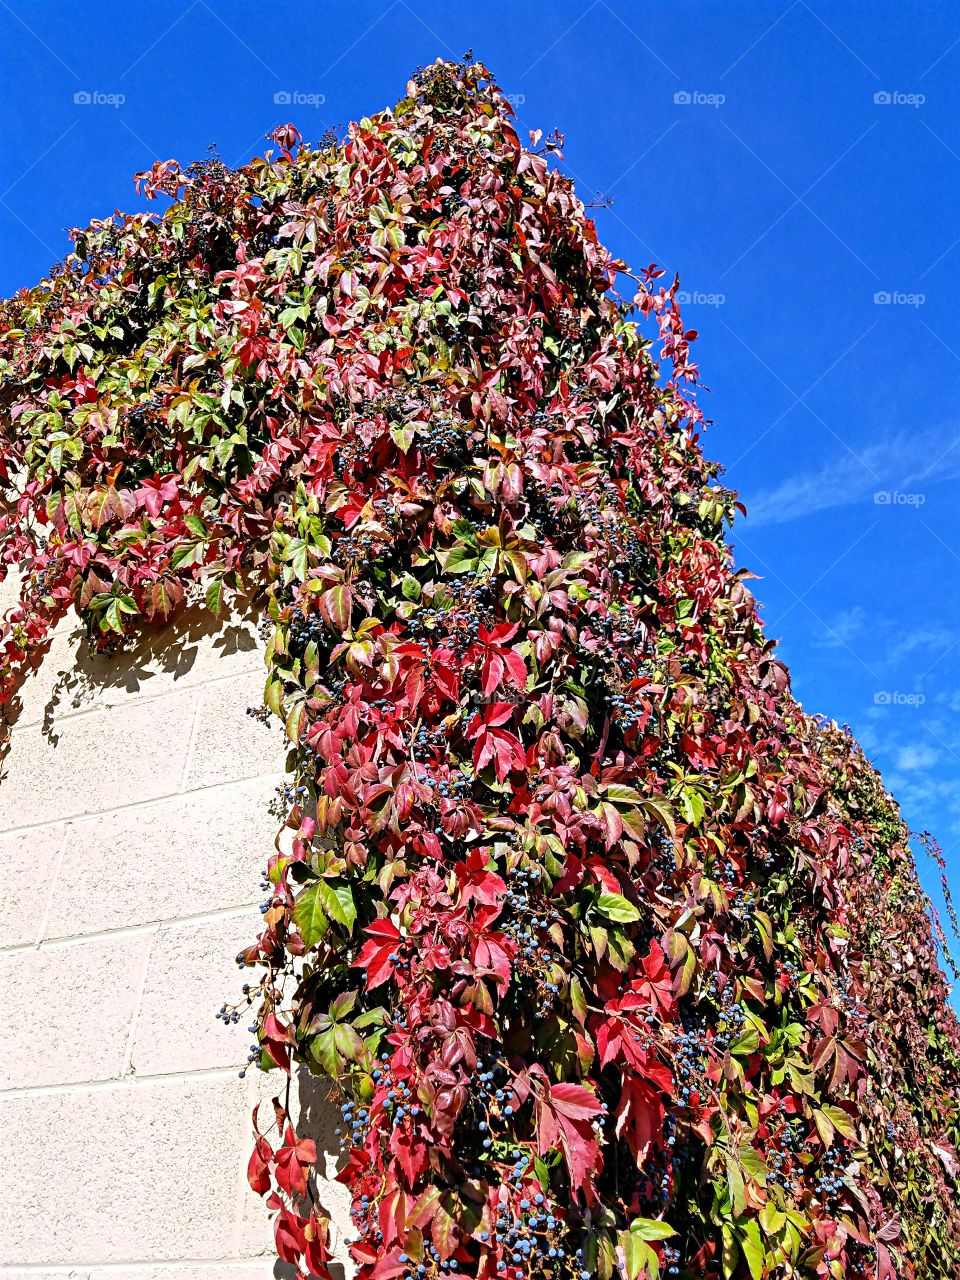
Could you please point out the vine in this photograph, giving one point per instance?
(615, 959)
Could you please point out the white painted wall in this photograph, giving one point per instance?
(133, 831)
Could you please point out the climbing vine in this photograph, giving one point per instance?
(615, 960)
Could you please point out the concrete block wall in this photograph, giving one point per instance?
(134, 826)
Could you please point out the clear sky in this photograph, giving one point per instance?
(797, 163)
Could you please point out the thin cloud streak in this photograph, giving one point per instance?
(902, 462)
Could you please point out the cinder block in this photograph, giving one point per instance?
(146, 1172)
(98, 761)
(151, 810)
(190, 974)
(262, 1269)
(66, 1011)
(28, 860)
(61, 1273)
(230, 744)
(182, 855)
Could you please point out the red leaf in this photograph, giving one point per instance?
(293, 1161)
(375, 954)
(258, 1172)
(574, 1101)
(276, 1038)
(288, 1235)
(639, 1115)
(411, 1152)
(564, 1119)
(493, 670)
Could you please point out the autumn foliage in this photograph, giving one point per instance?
(615, 959)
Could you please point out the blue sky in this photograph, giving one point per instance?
(794, 162)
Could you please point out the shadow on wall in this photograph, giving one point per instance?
(318, 1118)
(84, 674)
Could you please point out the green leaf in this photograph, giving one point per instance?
(753, 1164)
(691, 805)
(295, 719)
(347, 1041)
(659, 806)
(735, 1185)
(772, 1218)
(730, 1252)
(273, 695)
(824, 1127)
(309, 915)
(746, 1043)
(336, 899)
(652, 1229)
(461, 560)
(112, 619)
(639, 1259)
(187, 553)
(578, 1001)
(370, 1017)
(215, 595)
(324, 1049)
(342, 1005)
(402, 436)
(410, 588)
(840, 1120)
(620, 950)
(752, 1246)
(615, 907)
(764, 927)
(465, 532)
(444, 1227)
(296, 557)
(619, 794)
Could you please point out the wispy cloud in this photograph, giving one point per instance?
(902, 464)
(916, 755)
(842, 629)
(923, 639)
(915, 752)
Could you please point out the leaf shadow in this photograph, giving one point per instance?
(318, 1119)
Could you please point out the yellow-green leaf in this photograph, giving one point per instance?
(309, 915)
